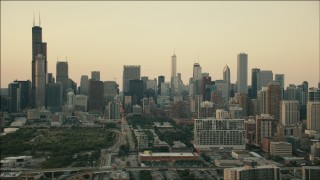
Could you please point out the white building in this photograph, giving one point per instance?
(313, 116)
(283, 149)
(289, 112)
(219, 133)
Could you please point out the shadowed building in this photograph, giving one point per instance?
(62, 76)
(54, 97)
(96, 100)
(136, 91)
(38, 47)
(130, 73)
(273, 100)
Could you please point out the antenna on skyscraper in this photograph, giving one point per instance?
(198, 57)
(39, 20)
(34, 19)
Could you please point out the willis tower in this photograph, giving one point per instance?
(38, 47)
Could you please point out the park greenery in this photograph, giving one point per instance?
(183, 133)
(58, 145)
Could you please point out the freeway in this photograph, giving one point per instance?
(130, 168)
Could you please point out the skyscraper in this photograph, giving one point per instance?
(289, 112)
(226, 74)
(174, 78)
(255, 82)
(265, 127)
(40, 81)
(96, 100)
(136, 90)
(262, 100)
(313, 109)
(197, 72)
(95, 75)
(84, 85)
(273, 99)
(38, 47)
(14, 97)
(25, 91)
(50, 78)
(62, 76)
(242, 73)
(173, 65)
(161, 79)
(265, 77)
(279, 78)
(54, 97)
(130, 72)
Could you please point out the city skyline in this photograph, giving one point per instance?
(184, 35)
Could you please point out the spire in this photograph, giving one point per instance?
(34, 19)
(174, 51)
(39, 20)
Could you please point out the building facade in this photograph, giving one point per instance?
(219, 134)
(242, 73)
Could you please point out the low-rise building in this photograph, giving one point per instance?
(249, 172)
(167, 156)
(13, 162)
(310, 172)
(283, 149)
(239, 154)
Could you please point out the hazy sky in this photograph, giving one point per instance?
(104, 36)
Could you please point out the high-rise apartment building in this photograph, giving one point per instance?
(265, 127)
(242, 73)
(219, 133)
(314, 95)
(262, 100)
(38, 47)
(289, 112)
(313, 109)
(313, 116)
(130, 73)
(95, 75)
(273, 99)
(84, 85)
(40, 81)
(114, 110)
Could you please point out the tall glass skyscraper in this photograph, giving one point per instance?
(38, 47)
(40, 81)
(242, 73)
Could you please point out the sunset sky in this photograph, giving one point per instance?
(103, 36)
